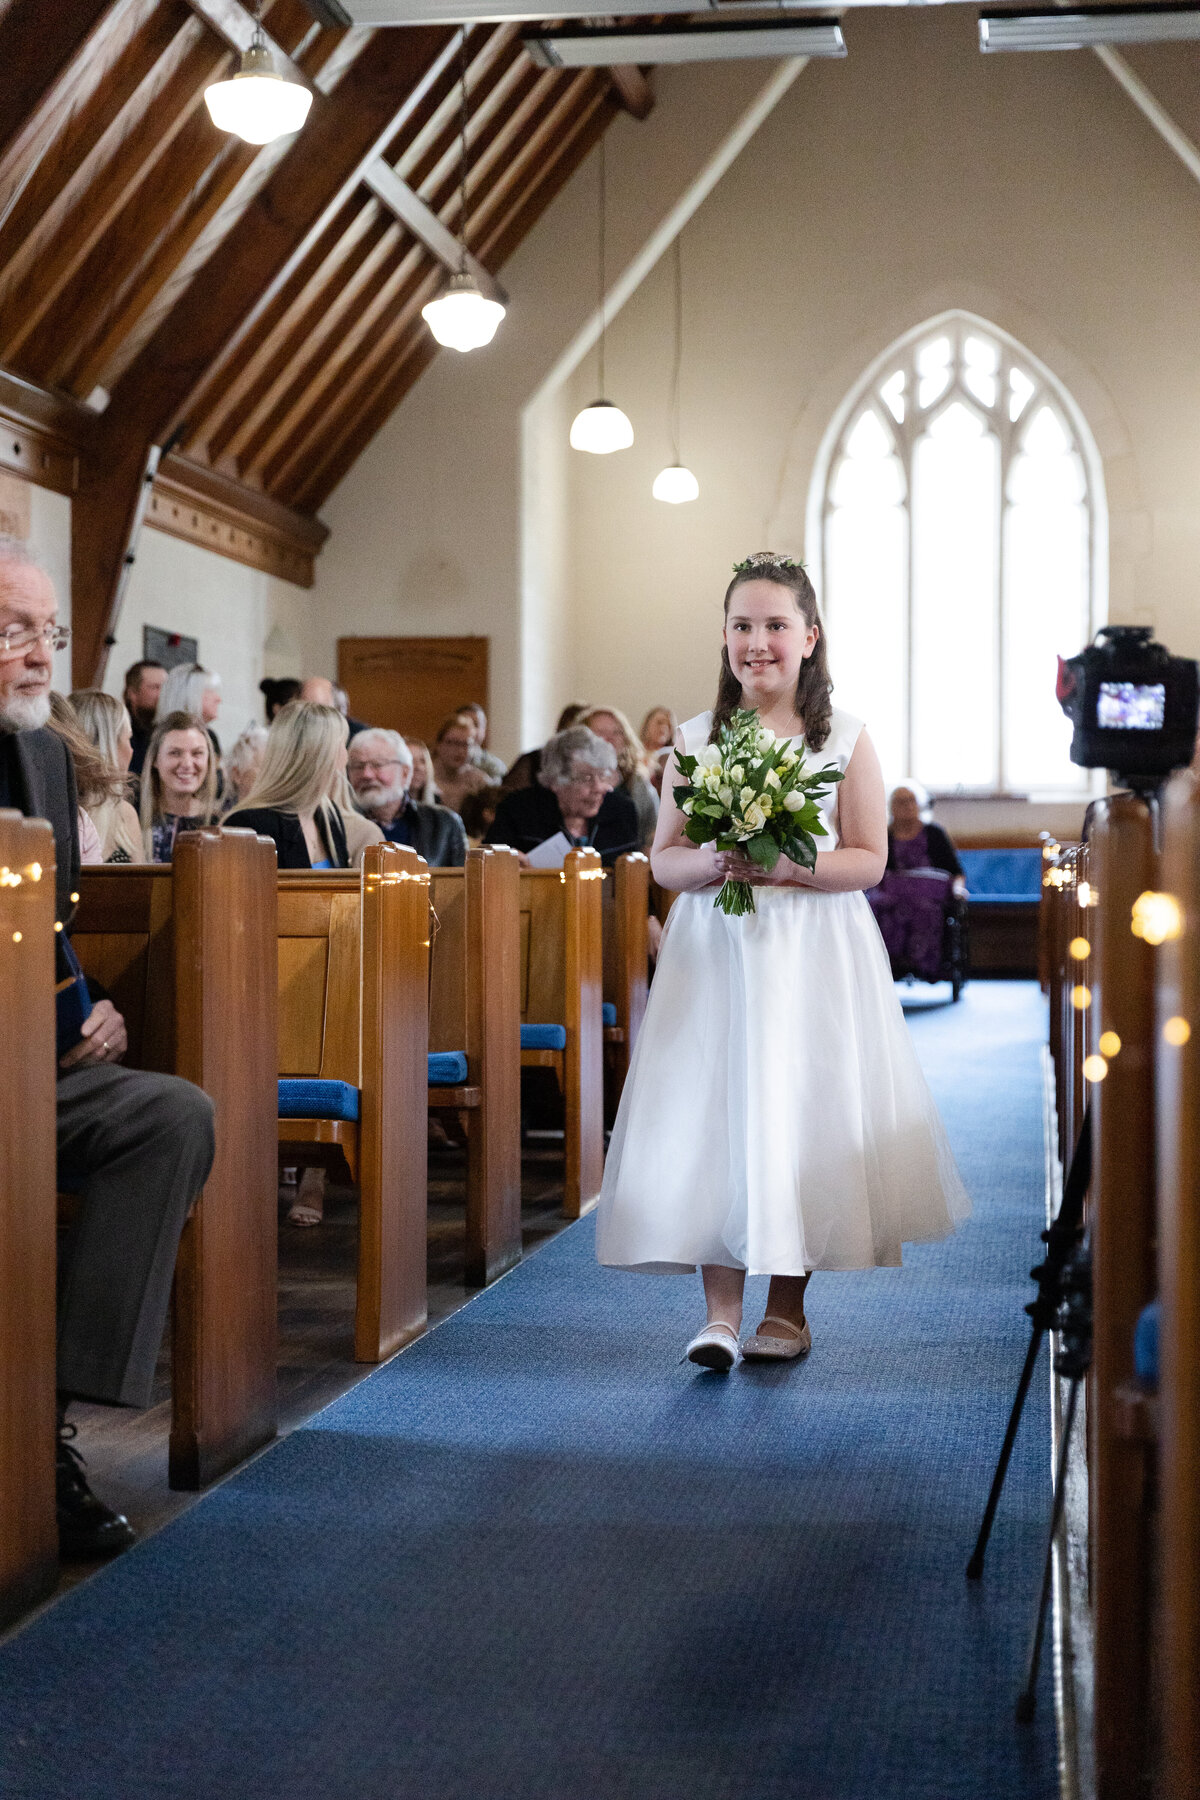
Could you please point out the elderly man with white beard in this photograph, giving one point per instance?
(137, 1146)
(380, 767)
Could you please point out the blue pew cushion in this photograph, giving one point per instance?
(608, 1013)
(1145, 1345)
(543, 1037)
(1011, 876)
(305, 1097)
(447, 1068)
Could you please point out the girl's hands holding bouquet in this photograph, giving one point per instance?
(733, 865)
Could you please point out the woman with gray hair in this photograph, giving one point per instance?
(575, 796)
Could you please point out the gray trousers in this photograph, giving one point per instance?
(139, 1148)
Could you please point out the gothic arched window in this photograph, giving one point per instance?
(958, 518)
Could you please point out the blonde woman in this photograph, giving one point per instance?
(179, 784)
(421, 787)
(106, 724)
(610, 723)
(306, 752)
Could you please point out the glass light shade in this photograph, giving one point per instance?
(601, 428)
(675, 485)
(461, 318)
(258, 104)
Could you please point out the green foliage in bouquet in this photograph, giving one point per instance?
(751, 791)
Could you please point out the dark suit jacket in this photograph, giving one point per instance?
(529, 816)
(290, 848)
(437, 834)
(46, 775)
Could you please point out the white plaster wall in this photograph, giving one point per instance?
(50, 538)
(426, 530)
(915, 176)
(234, 612)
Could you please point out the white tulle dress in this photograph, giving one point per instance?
(775, 1117)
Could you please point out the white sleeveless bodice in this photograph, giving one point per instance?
(837, 749)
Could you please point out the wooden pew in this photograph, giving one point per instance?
(28, 1532)
(186, 952)
(561, 1029)
(353, 959)
(626, 965)
(1124, 1280)
(474, 1010)
(1178, 1105)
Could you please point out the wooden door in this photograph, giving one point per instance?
(412, 683)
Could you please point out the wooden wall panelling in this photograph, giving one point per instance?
(28, 1532)
(1122, 1228)
(1178, 1105)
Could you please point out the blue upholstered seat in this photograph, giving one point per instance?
(447, 1068)
(608, 1013)
(304, 1097)
(1145, 1345)
(543, 1037)
(1013, 877)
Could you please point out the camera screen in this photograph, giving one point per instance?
(1131, 706)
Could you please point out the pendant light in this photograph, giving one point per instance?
(676, 484)
(462, 317)
(601, 427)
(258, 103)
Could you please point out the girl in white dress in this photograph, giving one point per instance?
(775, 1119)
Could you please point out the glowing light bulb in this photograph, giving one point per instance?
(600, 429)
(1156, 917)
(462, 317)
(258, 103)
(676, 485)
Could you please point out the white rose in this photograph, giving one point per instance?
(725, 796)
(745, 797)
(709, 757)
(754, 816)
(772, 780)
(737, 773)
(793, 801)
(766, 737)
(688, 805)
(789, 761)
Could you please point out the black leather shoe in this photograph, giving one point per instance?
(86, 1527)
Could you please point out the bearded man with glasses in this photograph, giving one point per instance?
(137, 1146)
(380, 767)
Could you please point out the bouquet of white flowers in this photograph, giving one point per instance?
(750, 790)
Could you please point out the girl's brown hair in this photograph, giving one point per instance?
(813, 687)
(96, 779)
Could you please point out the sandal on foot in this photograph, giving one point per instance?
(791, 1343)
(308, 1208)
(716, 1347)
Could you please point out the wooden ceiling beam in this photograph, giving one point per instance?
(235, 26)
(215, 315)
(633, 88)
(35, 54)
(423, 223)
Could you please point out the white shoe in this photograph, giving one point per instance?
(766, 1347)
(716, 1347)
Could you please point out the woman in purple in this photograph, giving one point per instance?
(923, 872)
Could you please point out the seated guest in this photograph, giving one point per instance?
(306, 750)
(323, 692)
(477, 814)
(380, 768)
(421, 787)
(454, 774)
(138, 1146)
(90, 776)
(105, 723)
(143, 685)
(179, 784)
(481, 756)
(243, 763)
(360, 831)
(575, 796)
(658, 729)
(341, 700)
(923, 871)
(524, 772)
(612, 725)
(191, 688)
(277, 693)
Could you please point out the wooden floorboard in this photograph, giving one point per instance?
(126, 1452)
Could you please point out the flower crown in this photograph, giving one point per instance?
(766, 559)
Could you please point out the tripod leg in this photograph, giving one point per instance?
(1027, 1698)
(975, 1566)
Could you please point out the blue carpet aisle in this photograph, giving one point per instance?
(534, 1557)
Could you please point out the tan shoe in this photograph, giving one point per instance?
(716, 1347)
(766, 1346)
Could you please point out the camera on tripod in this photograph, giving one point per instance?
(1133, 706)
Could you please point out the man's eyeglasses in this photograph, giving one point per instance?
(360, 768)
(20, 637)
